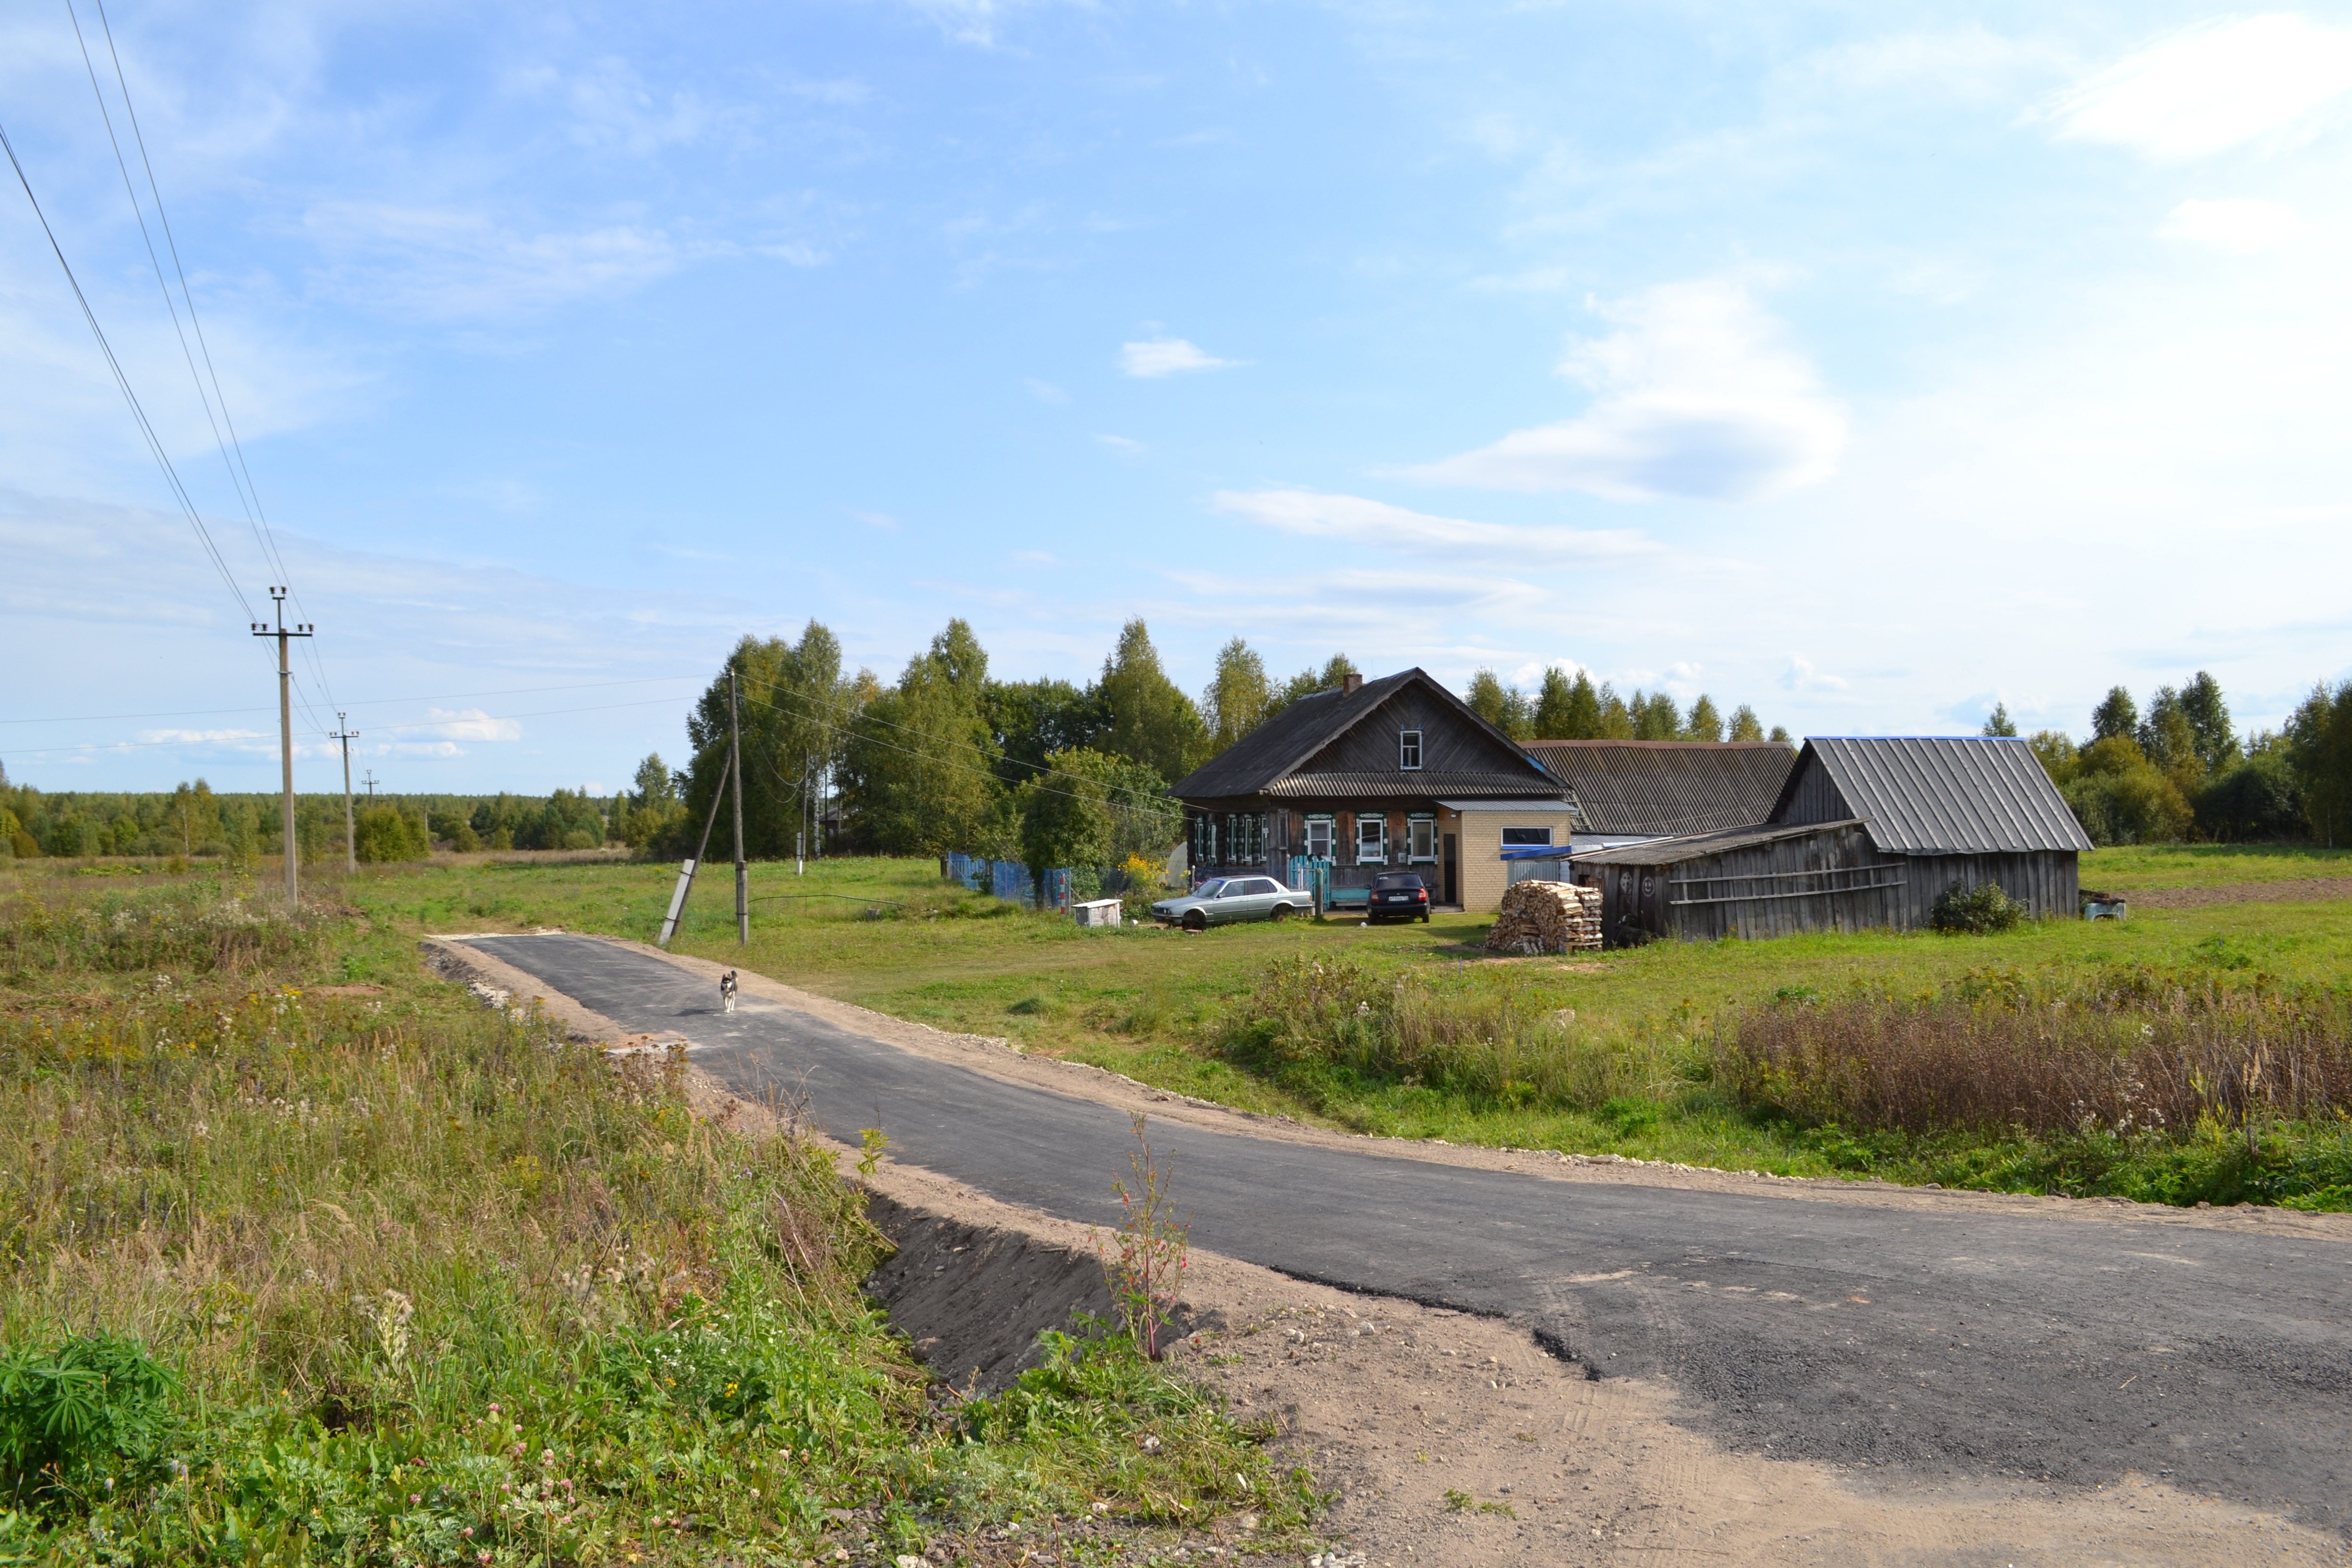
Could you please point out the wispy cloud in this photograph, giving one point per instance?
(1156, 357)
(1121, 444)
(1697, 393)
(1800, 676)
(1365, 522)
(469, 724)
(445, 265)
(2212, 87)
(2243, 226)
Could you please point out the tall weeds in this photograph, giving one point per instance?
(2127, 1051)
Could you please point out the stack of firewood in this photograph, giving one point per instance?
(1547, 917)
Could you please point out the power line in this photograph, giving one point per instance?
(415, 725)
(240, 474)
(114, 365)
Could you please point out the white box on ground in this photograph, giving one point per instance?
(1096, 912)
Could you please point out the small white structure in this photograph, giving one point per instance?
(1102, 912)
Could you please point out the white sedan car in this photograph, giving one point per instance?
(1230, 898)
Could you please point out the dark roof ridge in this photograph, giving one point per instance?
(1612, 741)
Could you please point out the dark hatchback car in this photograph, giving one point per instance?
(1398, 896)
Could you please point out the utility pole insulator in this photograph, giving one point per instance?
(285, 733)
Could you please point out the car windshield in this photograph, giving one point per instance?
(1395, 883)
(1208, 890)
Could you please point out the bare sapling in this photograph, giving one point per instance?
(1144, 1259)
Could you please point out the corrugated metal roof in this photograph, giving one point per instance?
(1669, 786)
(1404, 787)
(1254, 765)
(1947, 794)
(1698, 846)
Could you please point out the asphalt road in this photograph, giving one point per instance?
(1936, 1343)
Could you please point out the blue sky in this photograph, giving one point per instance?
(1866, 364)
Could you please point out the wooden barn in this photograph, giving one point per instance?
(1390, 774)
(1866, 833)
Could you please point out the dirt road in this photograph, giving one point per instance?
(1920, 1337)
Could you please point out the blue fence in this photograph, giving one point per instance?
(1008, 880)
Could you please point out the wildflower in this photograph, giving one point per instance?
(414, 1499)
(467, 1532)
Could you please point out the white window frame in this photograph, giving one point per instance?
(1416, 824)
(1504, 838)
(1329, 822)
(1366, 819)
(1409, 751)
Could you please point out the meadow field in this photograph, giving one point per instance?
(1633, 1052)
(305, 1256)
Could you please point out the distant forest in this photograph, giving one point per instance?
(948, 757)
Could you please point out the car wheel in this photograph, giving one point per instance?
(1195, 920)
(1424, 917)
(1281, 912)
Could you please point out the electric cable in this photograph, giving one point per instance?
(240, 475)
(122, 381)
(362, 702)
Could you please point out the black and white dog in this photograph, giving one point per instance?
(727, 991)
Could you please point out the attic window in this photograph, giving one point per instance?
(1409, 750)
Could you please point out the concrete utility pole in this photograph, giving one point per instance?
(686, 873)
(285, 732)
(369, 779)
(735, 766)
(350, 834)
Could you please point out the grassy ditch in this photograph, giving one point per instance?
(363, 1272)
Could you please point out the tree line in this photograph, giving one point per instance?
(193, 821)
(2178, 771)
(949, 757)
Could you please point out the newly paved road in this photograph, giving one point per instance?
(1936, 1343)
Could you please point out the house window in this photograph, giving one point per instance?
(1371, 840)
(1409, 750)
(1527, 837)
(1320, 831)
(1420, 838)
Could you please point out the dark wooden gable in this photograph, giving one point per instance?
(1452, 741)
(1811, 795)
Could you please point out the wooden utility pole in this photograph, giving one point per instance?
(351, 836)
(735, 766)
(285, 733)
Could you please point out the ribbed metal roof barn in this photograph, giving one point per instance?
(1933, 795)
(1668, 787)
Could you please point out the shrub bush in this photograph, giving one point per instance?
(1977, 911)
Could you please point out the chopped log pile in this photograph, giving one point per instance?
(1547, 917)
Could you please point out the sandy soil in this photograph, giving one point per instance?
(1451, 1439)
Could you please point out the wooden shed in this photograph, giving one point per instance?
(1867, 833)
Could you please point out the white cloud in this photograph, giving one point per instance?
(1044, 391)
(2243, 226)
(1156, 357)
(1698, 393)
(1800, 676)
(2212, 87)
(1364, 522)
(1121, 444)
(468, 724)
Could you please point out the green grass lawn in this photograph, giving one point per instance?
(2209, 865)
(888, 934)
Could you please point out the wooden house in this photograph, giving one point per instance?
(1865, 833)
(1389, 774)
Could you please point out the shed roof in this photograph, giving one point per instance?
(1698, 846)
(1944, 794)
(1261, 762)
(1669, 786)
